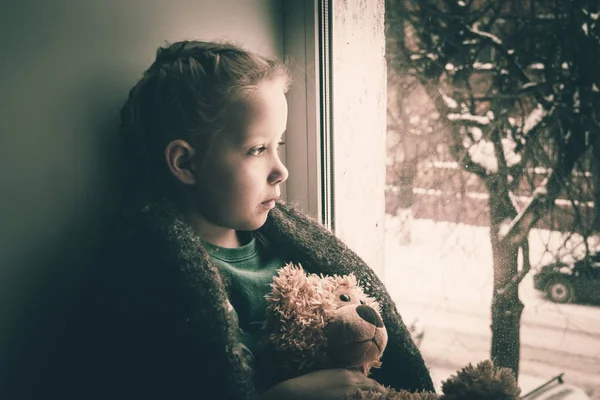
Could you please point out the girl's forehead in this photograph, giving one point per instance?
(261, 112)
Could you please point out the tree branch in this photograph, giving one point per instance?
(459, 152)
(543, 197)
(494, 41)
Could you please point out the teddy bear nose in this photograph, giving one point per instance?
(369, 315)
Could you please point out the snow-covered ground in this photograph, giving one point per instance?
(443, 280)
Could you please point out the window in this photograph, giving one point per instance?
(442, 194)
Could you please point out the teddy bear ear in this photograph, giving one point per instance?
(289, 275)
(290, 278)
(348, 281)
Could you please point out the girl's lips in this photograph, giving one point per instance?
(270, 204)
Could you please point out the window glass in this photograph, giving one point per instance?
(481, 103)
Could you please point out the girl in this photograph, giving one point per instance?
(179, 294)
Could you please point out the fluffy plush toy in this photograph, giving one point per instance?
(315, 322)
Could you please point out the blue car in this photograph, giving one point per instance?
(570, 282)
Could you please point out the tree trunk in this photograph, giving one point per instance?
(596, 172)
(506, 305)
(506, 308)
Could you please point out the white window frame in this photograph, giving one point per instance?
(303, 135)
(337, 118)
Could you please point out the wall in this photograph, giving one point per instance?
(359, 126)
(66, 67)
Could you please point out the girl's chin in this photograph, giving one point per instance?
(257, 222)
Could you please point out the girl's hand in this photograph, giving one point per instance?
(327, 384)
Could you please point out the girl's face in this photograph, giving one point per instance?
(239, 179)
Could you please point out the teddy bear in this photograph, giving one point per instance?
(316, 322)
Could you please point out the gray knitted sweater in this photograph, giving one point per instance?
(156, 325)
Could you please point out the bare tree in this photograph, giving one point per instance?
(516, 86)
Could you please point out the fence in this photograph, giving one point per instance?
(443, 193)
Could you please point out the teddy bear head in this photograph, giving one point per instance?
(315, 322)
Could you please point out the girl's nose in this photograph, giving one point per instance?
(279, 174)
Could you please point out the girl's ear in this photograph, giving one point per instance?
(180, 159)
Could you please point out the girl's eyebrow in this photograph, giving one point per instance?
(256, 139)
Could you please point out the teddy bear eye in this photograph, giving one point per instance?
(344, 297)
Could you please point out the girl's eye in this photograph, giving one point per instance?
(257, 150)
(344, 297)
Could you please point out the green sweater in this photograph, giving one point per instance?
(248, 272)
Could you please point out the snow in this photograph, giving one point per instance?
(483, 66)
(542, 170)
(547, 16)
(469, 117)
(431, 56)
(453, 308)
(482, 153)
(509, 146)
(488, 35)
(441, 164)
(530, 85)
(450, 102)
(476, 132)
(414, 119)
(534, 118)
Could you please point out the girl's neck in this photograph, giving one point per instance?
(217, 235)
(229, 239)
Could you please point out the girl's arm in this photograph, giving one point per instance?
(327, 384)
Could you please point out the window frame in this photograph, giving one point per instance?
(337, 119)
(308, 182)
